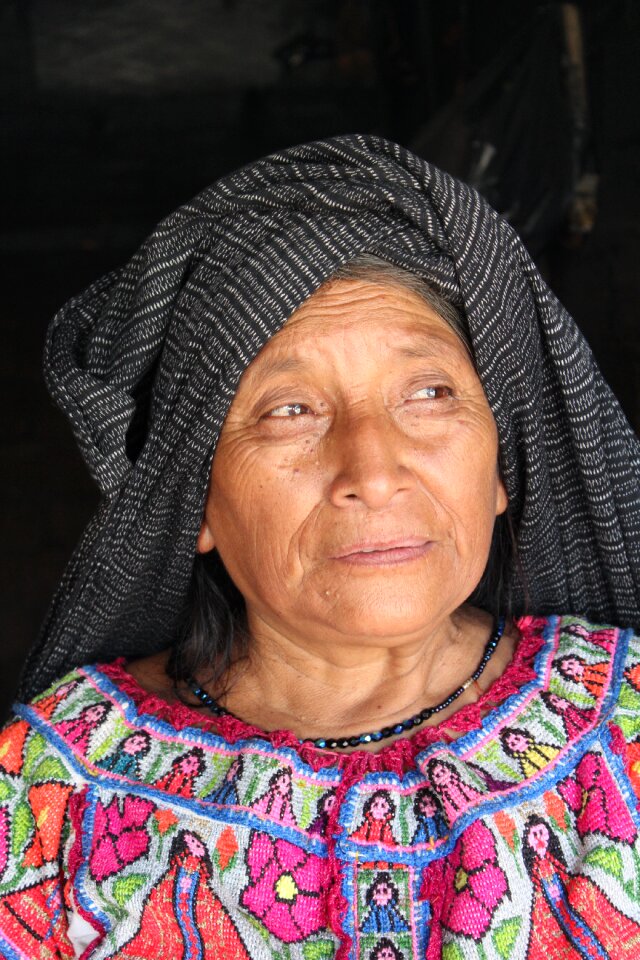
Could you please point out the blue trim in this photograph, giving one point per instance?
(457, 751)
(79, 886)
(499, 800)
(8, 951)
(201, 737)
(100, 780)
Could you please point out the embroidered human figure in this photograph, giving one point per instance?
(531, 756)
(227, 791)
(565, 906)
(605, 638)
(592, 676)
(454, 794)
(326, 804)
(78, 730)
(382, 914)
(593, 795)
(47, 706)
(574, 719)
(183, 914)
(431, 822)
(385, 950)
(277, 800)
(184, 772)
(125, 759)
(378, 813)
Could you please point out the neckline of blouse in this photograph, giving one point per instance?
(397, 756)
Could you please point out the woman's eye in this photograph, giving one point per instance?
(289, 410)
(432, 393)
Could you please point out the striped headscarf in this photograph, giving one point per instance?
(146, 362)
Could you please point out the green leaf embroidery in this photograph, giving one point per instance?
(451, 951)
(404, 826)
(630, 725)
(608, 859)
(23, 824)
(318, 950)
(221, 766)
(35, 746)
(506, 935)
(125, 887)
(6, 791)
(553, 730)
(629, 699)
(51, 769)
(255, 923)
(507, 771)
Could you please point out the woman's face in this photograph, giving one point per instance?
(427, 806)
(134, 744)
(441, 775)
(379, 808)
(573, 667)
(538, 837)
(189, 765)
(194, 845)
(382, 893)
(517, 742)
(282, 783)
(355, 486)
(95, 714)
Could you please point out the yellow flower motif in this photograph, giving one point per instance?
(286, 888)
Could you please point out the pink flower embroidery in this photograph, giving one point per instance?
(285, 888)
(120, 837)
(593, 795)
(470, 884)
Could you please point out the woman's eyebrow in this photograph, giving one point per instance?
(417, 348)
(271, 366)
(427, 348)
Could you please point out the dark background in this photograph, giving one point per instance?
(116, 111)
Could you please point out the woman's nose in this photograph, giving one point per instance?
(370, 461)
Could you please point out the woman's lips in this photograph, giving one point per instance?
(384, 554)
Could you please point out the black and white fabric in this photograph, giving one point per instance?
(145, 364)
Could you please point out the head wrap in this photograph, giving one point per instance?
(145, 364)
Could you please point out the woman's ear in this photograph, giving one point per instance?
(205, 541)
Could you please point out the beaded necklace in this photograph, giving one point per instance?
(335, 743)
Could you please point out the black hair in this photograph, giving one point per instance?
(382, 877)
(504, 737)
(385, 796)
(385, 944)
(211, 632)
(553, 846)
(421, 795)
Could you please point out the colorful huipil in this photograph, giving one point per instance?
(134, 828)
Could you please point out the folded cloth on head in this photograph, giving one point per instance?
(145, 364)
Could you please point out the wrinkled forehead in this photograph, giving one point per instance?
(394, 320)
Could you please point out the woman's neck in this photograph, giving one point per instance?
(344, 691)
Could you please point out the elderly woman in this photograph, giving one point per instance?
(365, 494)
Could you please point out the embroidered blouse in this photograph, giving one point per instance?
(130, 827)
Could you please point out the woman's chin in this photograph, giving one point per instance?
(382, 617)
